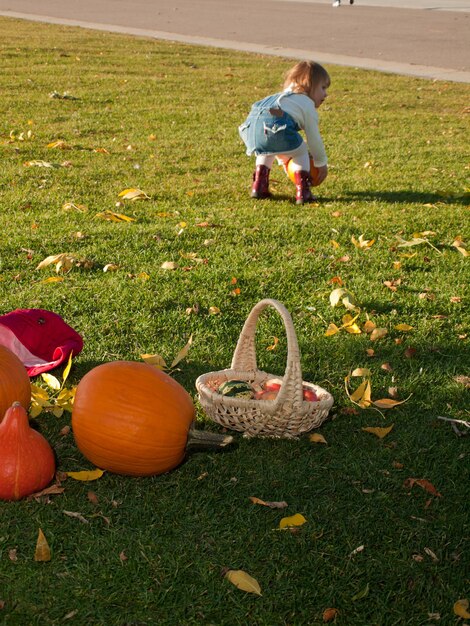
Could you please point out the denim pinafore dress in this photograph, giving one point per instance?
(268, 129)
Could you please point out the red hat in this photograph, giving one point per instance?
(40, 339)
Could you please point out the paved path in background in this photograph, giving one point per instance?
(432, 42)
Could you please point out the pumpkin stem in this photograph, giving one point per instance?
(199, 439)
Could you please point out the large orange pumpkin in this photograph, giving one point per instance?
(14, 381)
(313, 172)
(131, 418)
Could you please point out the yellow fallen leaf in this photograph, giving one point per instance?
(361, 371)
(62, 145)
(403, 327)
(40, 164)
(133, 194)
(294, 520)
(39, 394)
(51, 381)
(362, 243)
(378, 432)
(86, 475)
(345, 296)
(214, 310)
(154, 359)
(111, 216)
(243, 581)
(182, 353)
(361, 395)
(317, 438)
(67, 368)
(63, 261)
(461, 608)
(388, 403)
(43, 551)
(52, 279)
(274, 344)
(353, 329)
(331, 330)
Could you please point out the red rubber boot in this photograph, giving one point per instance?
(260, 187)
(303, 183)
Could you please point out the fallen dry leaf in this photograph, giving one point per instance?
(430, 553)
(330, 614)
(274, 345)
(463, 380)
(271, 505)
(42, 552)
(378, 333)
(369, 326)
(86, 475)
(361, 371)
(294, 520)
(388, 403)
(357, 550)
(404, 327)
(461, 608)
(76, 515)
(243, 581)
(361, 396)
(344, 296)
(331, 330)
(317, 438)
(93, 498)
(133, 194)
(53, 490)
(182, 353)
(423, 483)
(377, 431)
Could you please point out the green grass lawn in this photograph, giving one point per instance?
(162, 117)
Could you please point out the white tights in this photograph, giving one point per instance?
(300, 158)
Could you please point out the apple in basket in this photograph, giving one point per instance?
(272, 384)
(266, 394)
(271, 388)
(310, 395)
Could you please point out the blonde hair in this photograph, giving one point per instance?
(305, 76)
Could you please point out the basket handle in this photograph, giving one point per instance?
(244, 357)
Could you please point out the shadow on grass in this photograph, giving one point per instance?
(402, 196)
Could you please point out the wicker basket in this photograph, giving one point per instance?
(289, 414)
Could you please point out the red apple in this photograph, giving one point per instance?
(310, 395)
(272, 384)
(266, 394)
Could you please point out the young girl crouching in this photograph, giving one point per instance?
(272, 127)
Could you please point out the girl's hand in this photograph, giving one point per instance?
(322, 173)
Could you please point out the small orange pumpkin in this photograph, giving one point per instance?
(14, 381)
(313, 172)
(27, 461)
(131, 418)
